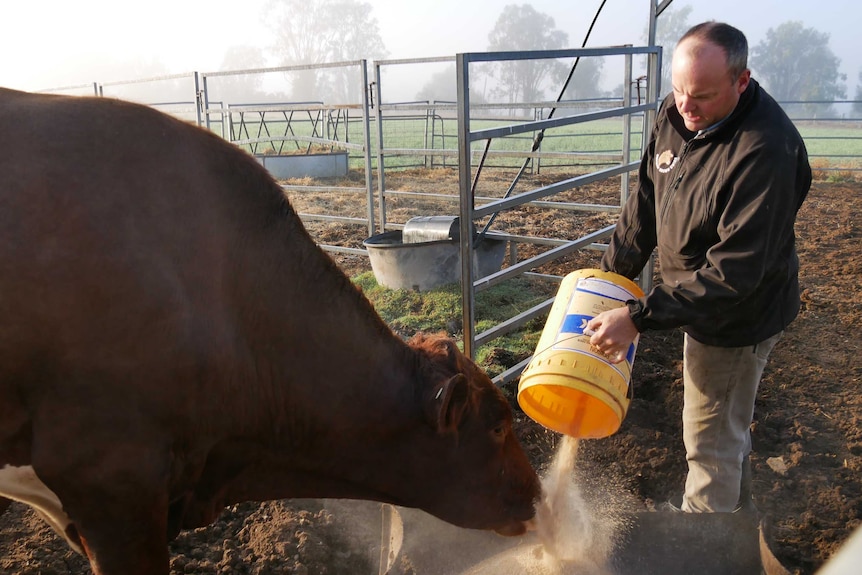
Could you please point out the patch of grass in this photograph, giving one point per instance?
(841, 177)
(408, 312)
(824, 170)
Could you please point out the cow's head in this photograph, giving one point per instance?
(485, 479)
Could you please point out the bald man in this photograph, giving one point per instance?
(718, 191)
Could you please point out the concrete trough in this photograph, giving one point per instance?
(422, 266)
(328, 165)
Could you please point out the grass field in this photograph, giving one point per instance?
(832, 146)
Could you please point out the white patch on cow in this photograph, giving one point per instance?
(23, 485)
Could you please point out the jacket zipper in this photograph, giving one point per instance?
(669, 193)
(673, 186)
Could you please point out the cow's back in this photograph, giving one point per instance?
(126, 234)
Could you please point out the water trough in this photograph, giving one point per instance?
(325, 165)
(427, 254)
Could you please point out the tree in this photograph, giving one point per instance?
(586, 81)
(795, 63)
(670, 26)
(857, 105)
(324, 31)
(242, 88)
(521, 27)
(442, 86)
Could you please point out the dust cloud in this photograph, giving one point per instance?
(579, 520)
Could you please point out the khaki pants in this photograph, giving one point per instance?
(720, 385)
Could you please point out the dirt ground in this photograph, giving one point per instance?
(807, 459)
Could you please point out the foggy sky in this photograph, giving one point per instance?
(57, 43)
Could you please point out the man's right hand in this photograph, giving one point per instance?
(613, 333)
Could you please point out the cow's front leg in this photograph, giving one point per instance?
(114, 489)
(132, 542)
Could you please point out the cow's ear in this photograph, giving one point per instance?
(449, 403)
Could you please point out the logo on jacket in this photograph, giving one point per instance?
(666, 161)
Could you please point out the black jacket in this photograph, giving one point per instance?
(720, 207)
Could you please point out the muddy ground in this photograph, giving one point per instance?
(807, 459)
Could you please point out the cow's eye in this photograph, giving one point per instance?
(499, 432)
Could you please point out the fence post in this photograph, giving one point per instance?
(200, 102)
(428, 117)
(381, 176)
(366, 135)
(466, 223)
(653, 87)
(627, 128)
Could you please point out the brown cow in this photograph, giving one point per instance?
(173, 341)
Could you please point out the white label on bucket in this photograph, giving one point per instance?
(591, 297)
(605, 289)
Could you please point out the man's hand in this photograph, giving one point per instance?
(613, 333)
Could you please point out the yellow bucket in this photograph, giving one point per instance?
(567, 386)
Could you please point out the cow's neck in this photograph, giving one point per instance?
(348, 358)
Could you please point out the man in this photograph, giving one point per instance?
(719, 188)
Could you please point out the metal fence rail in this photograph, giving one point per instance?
(467, 135)
(381, 136)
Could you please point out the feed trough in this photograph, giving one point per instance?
(660, 543)
(328, 165)
(427, 254)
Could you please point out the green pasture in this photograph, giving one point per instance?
(831, 145)
(835, 146)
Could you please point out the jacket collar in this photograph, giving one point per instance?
(746, 101)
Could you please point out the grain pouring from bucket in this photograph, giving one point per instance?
(570, 387)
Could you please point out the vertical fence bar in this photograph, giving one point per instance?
(428, 116)
(206, 100)
(366, 144)
(653, 86)
(381, 179)
(466, 218)
(200, 102)
(627, 128)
